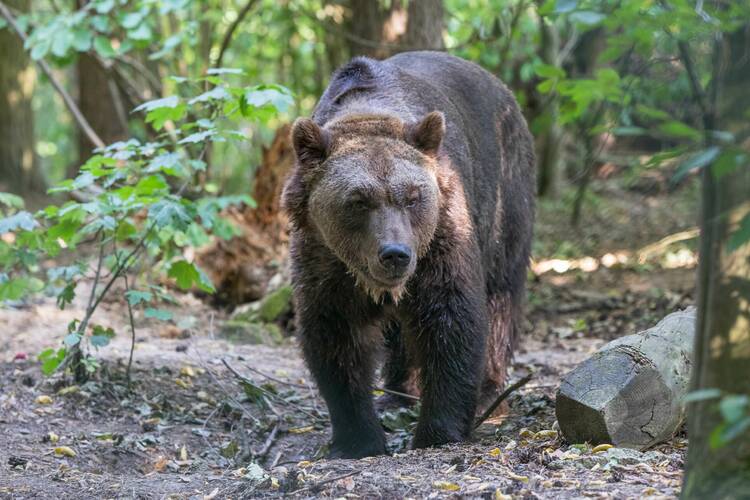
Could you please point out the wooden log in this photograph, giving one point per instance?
(629, 393)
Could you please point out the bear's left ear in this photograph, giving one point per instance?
(310, 142)
(427, 134)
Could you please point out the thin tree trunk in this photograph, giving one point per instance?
(722, 348)
(380, 30)
(19, 169)
(550, 150)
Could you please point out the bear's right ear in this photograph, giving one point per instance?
(310, 142)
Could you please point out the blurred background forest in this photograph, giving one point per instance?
(144, 144)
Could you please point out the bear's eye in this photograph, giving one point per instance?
(412, 200)
(358, 204)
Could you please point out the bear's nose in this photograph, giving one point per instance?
(395, 257)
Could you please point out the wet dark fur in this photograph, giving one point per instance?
(457, 322)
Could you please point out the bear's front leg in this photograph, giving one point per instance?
(448, 331)
(341, 359)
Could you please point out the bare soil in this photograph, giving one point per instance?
(190, 428)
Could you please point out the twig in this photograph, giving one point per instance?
(230, 32)
(502, 397)
(319, 484)
(69, 102)
(268, 443)
(268, 393)
(132, 331)
(301, 386)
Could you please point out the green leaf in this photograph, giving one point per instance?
(225, 71)
(217, 93)
(136, 297)
(697, 161)
(158, 117)
(66, 296)
(160, 314)
(103, 47)
(41, 48)
(587, 17)
(142, 33)
(101, 336)
(51, 359)
(701, 395)
(563, 6)
(735, 430)
(104, 6)
(72, 339)
(679, 130)
(11, 200)
(167, 102)
(18, 288)
(131, 20)
(734, 407)
(549, 71)
(20, 220)
(197, 137)
(166, 211)
(82, 40)
(150, 185)
(3, 23)
(61, 42)
(187, 274)
(264, 95)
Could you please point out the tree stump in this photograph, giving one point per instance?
(241, 268)
(629, 393)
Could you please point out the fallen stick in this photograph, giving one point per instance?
(502, 397)
(629, 393)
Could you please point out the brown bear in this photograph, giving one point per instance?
(412, 205)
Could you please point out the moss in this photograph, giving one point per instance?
(275, 304)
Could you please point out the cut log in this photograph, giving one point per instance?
(630, 392)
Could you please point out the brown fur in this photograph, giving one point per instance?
(413, 226)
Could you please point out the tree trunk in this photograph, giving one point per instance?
(722, 347)
(550, 144)
(379, 30)
(101, 103)
(19, 170)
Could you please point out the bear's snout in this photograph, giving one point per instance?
(395, 258)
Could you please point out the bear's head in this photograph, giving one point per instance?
(366, 186)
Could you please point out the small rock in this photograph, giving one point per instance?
(14, 461)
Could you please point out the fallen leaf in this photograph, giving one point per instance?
(545, 434)
(160, 464)
(187, 371)
(304, 463)
(65, 451)
(183, 453)
(52, 437)
(525, 433)
(302, 430)
(495, 452)
(517, 477)
(43, 400)
(446, 486)
(601, 447)
(71, 389)
(185, 384)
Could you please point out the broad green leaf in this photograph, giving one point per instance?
(142, 33)
(20, 220)
(104, 6)
(197, 137)
(72, 339)
(734, 407)
(136, 297)
(167, 102)
(563, 6)
(103, 47)
(224, 71)
(18, 288)
(11, 200)
(549, 71)
(217, 93)
(186, 274)
(51, 359)
(697, 161)
(679, 130)
(160, 314)
(587, 17)
(158, 117)
(702, 395)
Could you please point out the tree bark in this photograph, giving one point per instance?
(722, 347)
(101, 103)
(19, 169)
(550, 144)
(380, 31)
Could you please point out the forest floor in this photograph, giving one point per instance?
(190, 428)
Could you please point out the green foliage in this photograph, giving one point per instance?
(735, 414)
(136, 199)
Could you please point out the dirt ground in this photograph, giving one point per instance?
(190, 428)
